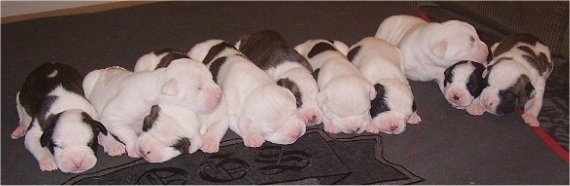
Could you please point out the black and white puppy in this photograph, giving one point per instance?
(462, 83)
(270, 51)
(258, 108)
(381, 63)
(344, 93)
(517, 78)
(59, 124)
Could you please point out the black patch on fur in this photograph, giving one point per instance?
(448, 73)
(320, 48)
(268, 49)
(316, 73)
(96, 127)
(292, 86)
(215, 50)
(34, 92)
(476, 82)
(378, 104)
(515, 96)
(215, 67)
(182, 145)
(149, 120)
(168, 58)
(164, 50)
(352, 53)
(48, 128)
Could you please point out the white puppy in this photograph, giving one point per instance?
(272, 52)
(344, 93)
(259, 109)
(429, 48)
(61, 123)
(516, 77)
(462, 83)
(393, 105)
(209, 128)
(123, 98)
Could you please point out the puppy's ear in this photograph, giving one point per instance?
(170, 88)
(45, 139)
(371, 92)
(97, 126)
(440, 48)
(493, 48)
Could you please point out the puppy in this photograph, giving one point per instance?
(62, 126)
(393, 105)
(123, 98)
(463, 82)
(272, 53)
(429, 48)
(209, 128)
(344, 93)
(517, 77)
(259, 109)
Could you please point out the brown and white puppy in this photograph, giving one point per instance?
(259, 109)
(59, 124)
(123, 98)
(271, 52)
(517, 78)
(463, 82)
(393, 106)
(203, 131)
(429, 48)
(344, 93)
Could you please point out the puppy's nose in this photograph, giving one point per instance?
(393, 128)
(455, 97)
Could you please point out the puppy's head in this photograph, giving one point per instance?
(392, 107)
(346, 103)
(71, 136)
(456, 40)
(189, 83)
(305, 89)
(509, 88)
(463, 82)
(158, 59)
(162, 139)
(274, 113)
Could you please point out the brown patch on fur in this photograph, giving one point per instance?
(523, 89)
(151, 118)
(539, 62)
(510, 41)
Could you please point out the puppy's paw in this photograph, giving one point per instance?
(133, 152)
(210, 147)
(19, 132)
(475, 109)
(253, 141)
(48, 164)
(414, 119)
(114, 148)
(332, 129)
(531, 120)
(372, 129)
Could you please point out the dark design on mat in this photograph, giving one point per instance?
(553, 116)
(316, 158)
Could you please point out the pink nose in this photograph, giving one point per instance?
(77, 162)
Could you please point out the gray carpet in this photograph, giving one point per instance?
(449, 147)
